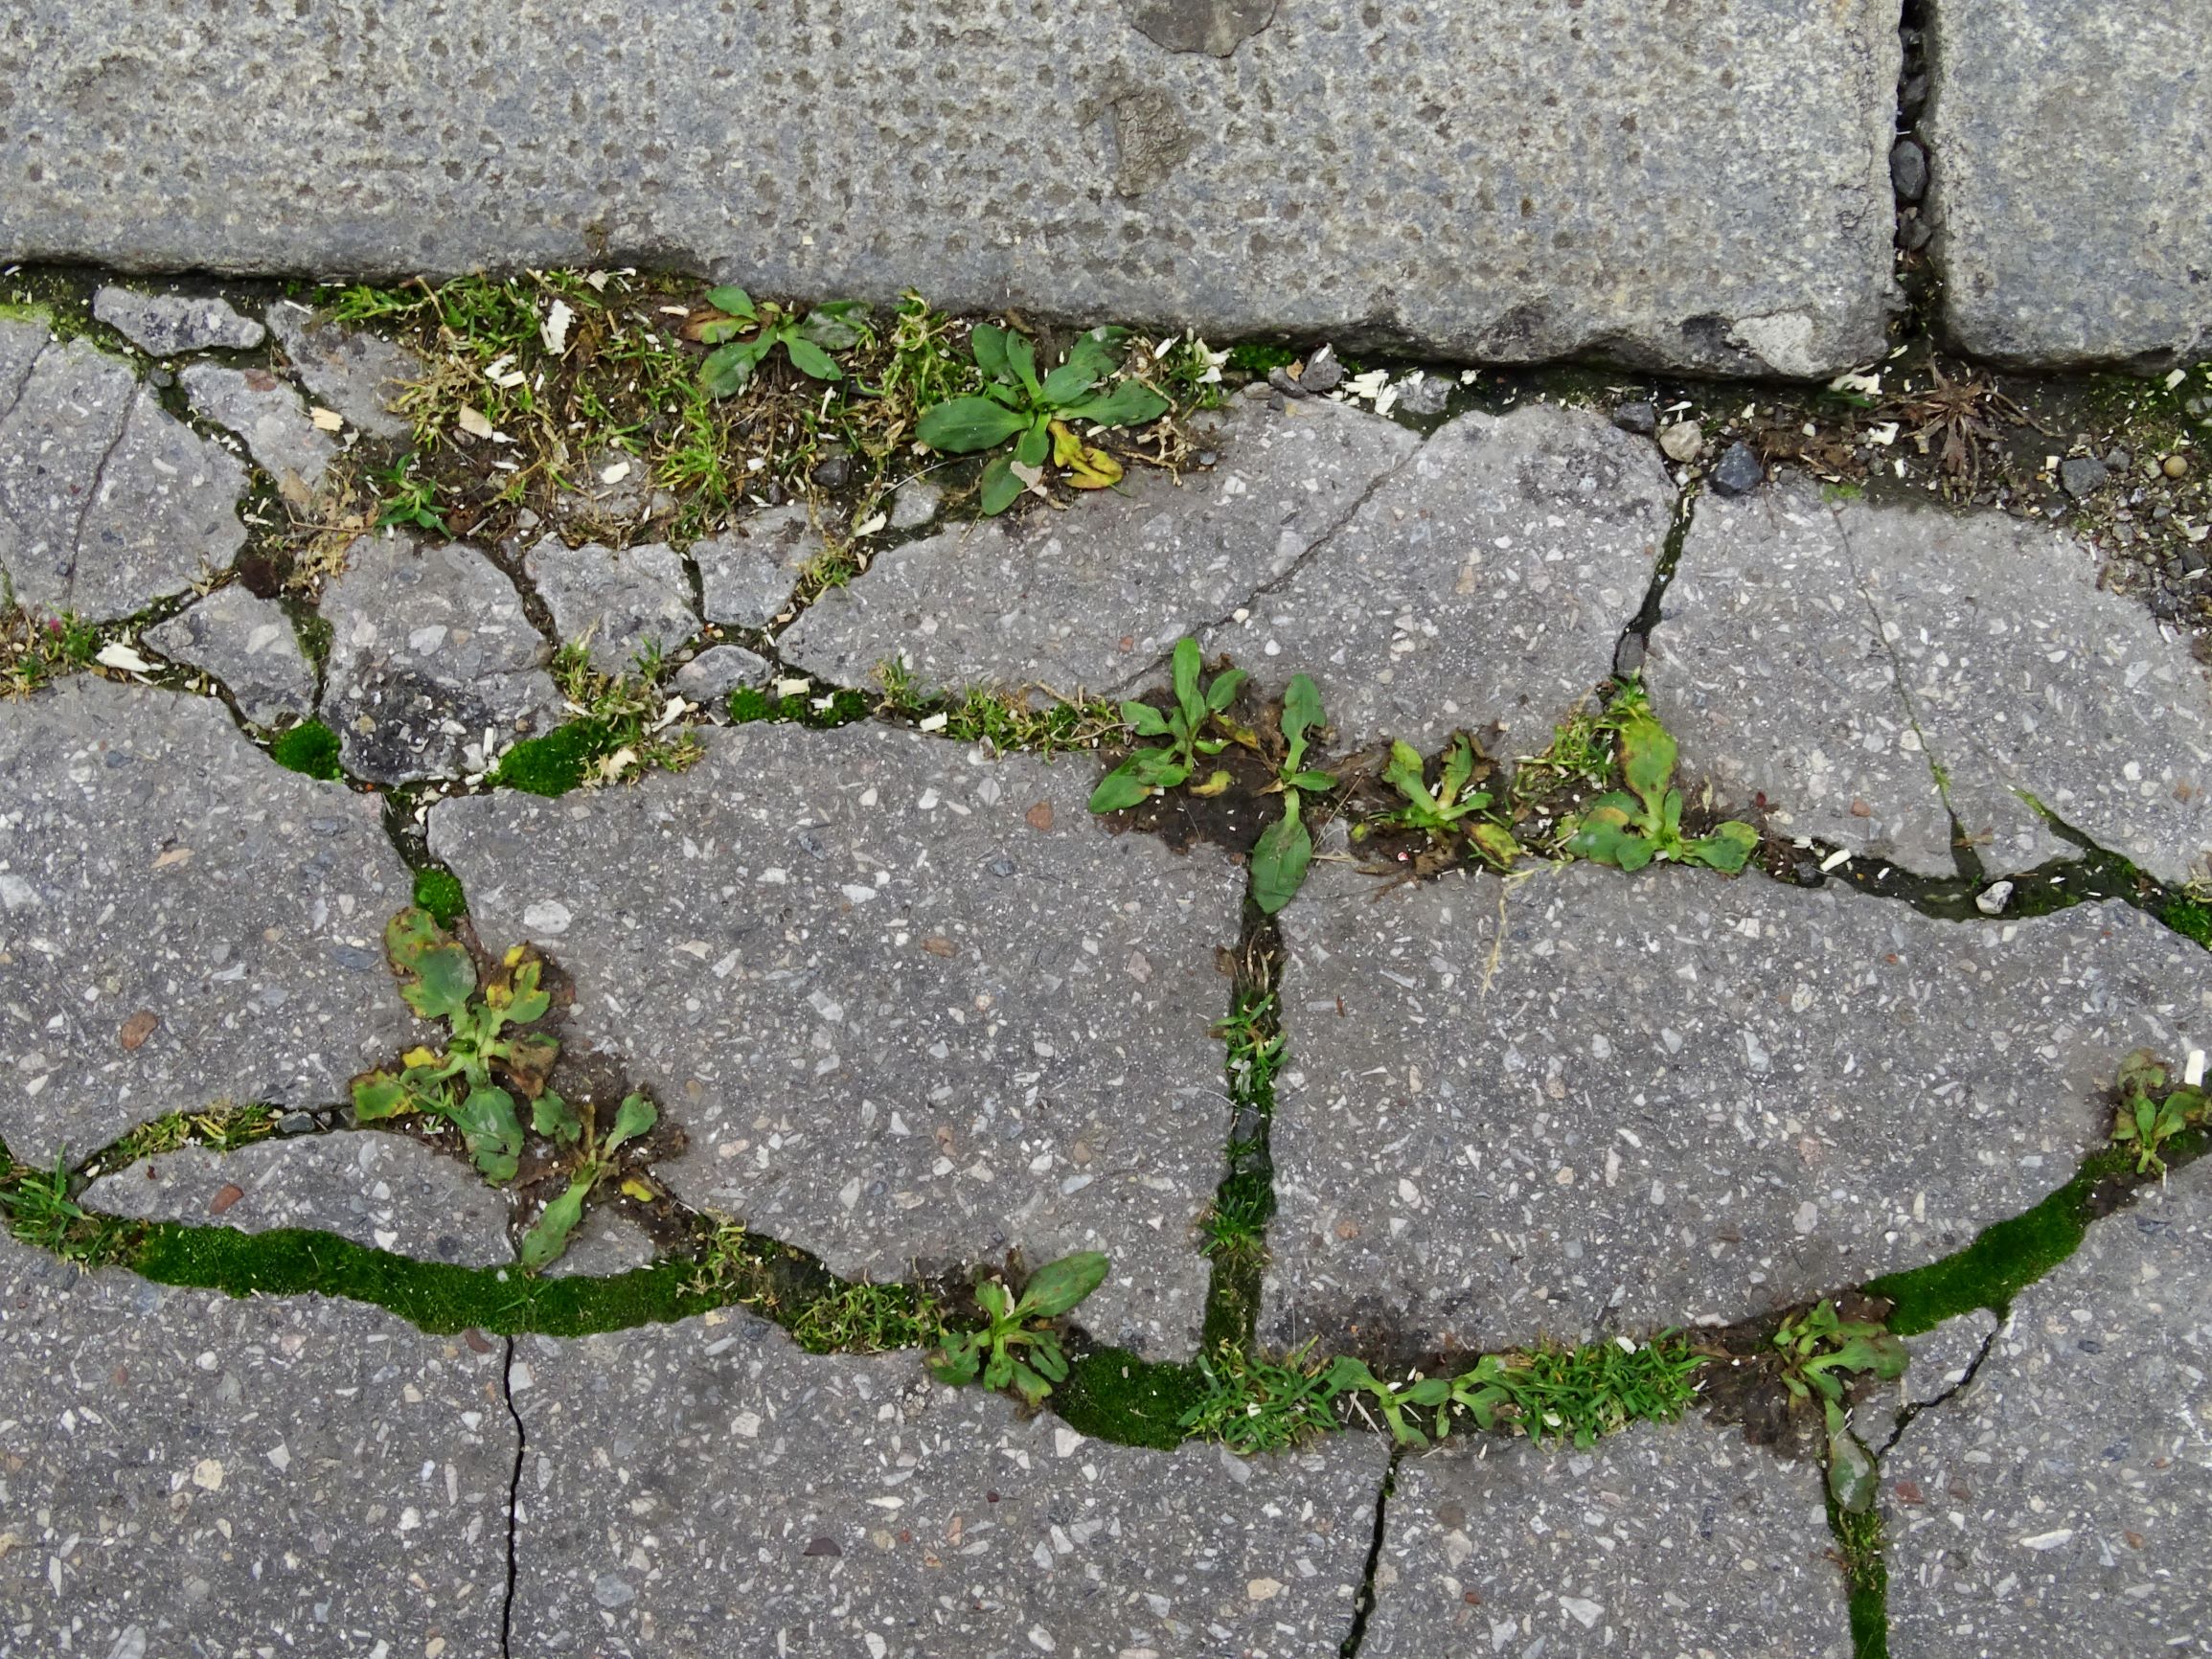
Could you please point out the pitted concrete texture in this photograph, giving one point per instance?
(1673, 1098)
(705, 1488)
(909, 1004)
(1095, 598)
(248, 645)
(1871, 670)
(1483, 585)
(1661, 1539)
(2059, 1502)
(163, 325)
(182, 922)
(2091, 243)
(190, 1474)
(1703, 186)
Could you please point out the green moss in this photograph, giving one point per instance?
(1253, 357)
(1860, 1544)
(310, 747)
(748, 704)
(1111, 1395)
(556, 762)
(2190, 917)
(439, 892)
(430, 1295)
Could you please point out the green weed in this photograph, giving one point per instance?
(34, 650)
(40, 1210)
(1632, 828)
(620, 732)
(1007, 721)
(1576, 1393)
(834, 708)
(1253, 1405)
(994, 1351)
(743, 334)
(867, 1318)
(1285, 850)
(222, 1128)
(1819, 1351)
(1196, 707)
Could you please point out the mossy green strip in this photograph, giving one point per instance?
(1111, 1395)
(558, 761)
(748, 704)
(1861, 1542)
(439, 892)
(310, 747)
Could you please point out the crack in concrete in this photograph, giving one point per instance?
(1911, 1411)
(513, 1498)
(1635, 639)
(1363, 1601)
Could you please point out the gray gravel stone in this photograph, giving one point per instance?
(272, 419)
(1659, 1540)
(1096, 597)
(2090, 245)
(1642, 418)
(897, 1019)
(352, 371)
(429, 650)
(1909, 169)
(1740, 471)
(154, 862)
(1677, 1098)
(381, 1190)
(187, 1474)
(248, 645)
(2061, 1502)
(2018, 675)
(746, 573)
(1718, 199)
(914, 503)
(1484, 584)
(705, 1488)
(2083, 475)
(163, 325)
(709, 678)
(622, 602)
(1422, 394)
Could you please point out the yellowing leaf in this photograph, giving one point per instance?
(1088, 467)
(419, 1057)
(633, 1188)
(1212, 785)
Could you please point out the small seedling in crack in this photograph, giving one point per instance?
(1285, 850)
(1035, 411)
(1149, 771)
(467, 1084)
(1643, 824)
(1576, 1393)
(1254, 1404)
(1452, 806)
(567, 1128)
(807, 341)
(1819, 1351)
(2150, 1115)
(993, 1351)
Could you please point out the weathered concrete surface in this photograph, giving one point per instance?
(624, 602)
(429, 651)
(1659, 1540)
(2061, 1503)
(746, 573)
(1705, 187)
(269, 414)
(1484, 584)
(163, 325)
(1094, 598)
(187, 1474)
(1837, 658)
(357, 373)
(107, 501)
(709, 678)
(605, 1243)
(706, 1487)
(384, 1190)
(153, 862)
(2093, 242)
(1680, 1098)
(246, 643)
(897, 1018)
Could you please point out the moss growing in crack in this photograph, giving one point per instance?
(556, 762)
(747, 704)
(1113, 1395)
(1859, 1551)
(439, 892)
(312, 748)
(1234, 1228)
(1007, 719)
(2191, 918)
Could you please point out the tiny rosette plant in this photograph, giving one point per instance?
(2151, 1114)
(1643, 824)
(1285, 850)
(1011, 1351)
(565, 1126)
(743, 334)
(1148, 771)
(1035, 411)
(1819, 1350)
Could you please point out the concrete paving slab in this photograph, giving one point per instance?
(1661, 1539)
(906, 1002)
(155, 863)
(187, 1474)
(705, 1487)
(1704, 188)
(164, 325)
(624, 602)
(2060, 1503)
(250, 645)
(1675, 1097)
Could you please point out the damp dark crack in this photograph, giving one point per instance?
(513, 1498)
(1363, 1601)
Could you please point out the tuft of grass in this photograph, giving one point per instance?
(1580, 1394)
(312, 748)
(867, 1318)
(41, 1210)
(439, 892)
(748, 703)
(1254, 1404)
(616, 735)
(34, 650)
(224, 1127)
(1005, 717)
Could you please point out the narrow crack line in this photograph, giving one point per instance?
(1313, 549)
(92, 491)
(10, 396)
(1648, 616)
(1363, 1603)
(1912, 1411)
(513, 1498)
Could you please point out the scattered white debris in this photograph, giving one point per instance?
(325, 420)
(553, 330)
(118, 655)
(474, 422)
(1854, 381)
(615, 473)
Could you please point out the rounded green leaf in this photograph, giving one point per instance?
(378, 1095)
(633, 1117)
(1034, 445)
(1022, 359)
(988, 342)
(810, 359)
(1120, 789)
(966, 424)
(555, 1118)
(548, 1234)
(1067, 383)
(1058, 1285)
(1728, 848)
(1224, 690)
(1130, 404)
(729, 369)
(731, 299)
(838, 326)
(1647, 757)
(1144, 719)
(1301, 707)
(1187, 661)
(1280, 860)
(1001, 488)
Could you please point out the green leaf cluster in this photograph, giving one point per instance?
(555, 1118)
(1453, 806)
(1285, 850)
(993, 1351)
(472, 1083)
(1643, 824)
(745, 333)
(1018, 403)
(1575, 1394)
(1818, 1350)
(1197, 706)
(2150, 1114)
